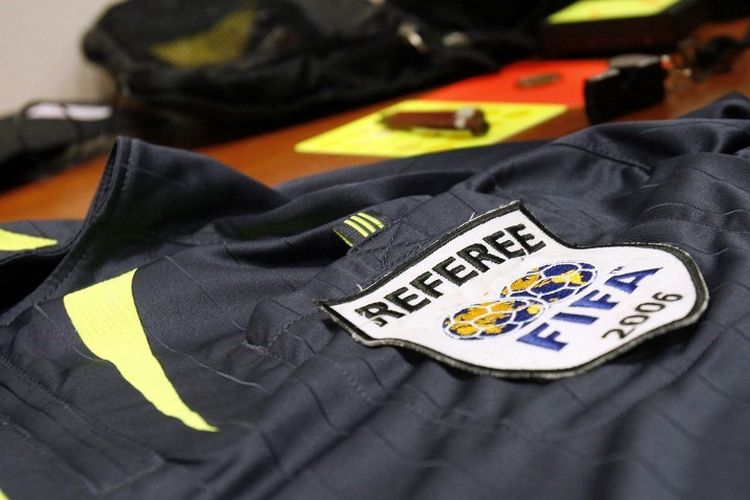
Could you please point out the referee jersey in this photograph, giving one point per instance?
(173, 343)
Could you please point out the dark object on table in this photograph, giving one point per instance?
(207, 71)
(468, 119)
(632, 82)
(46, 136)
(533, 81)
(717, 55)
(615, 35)
(244, 66)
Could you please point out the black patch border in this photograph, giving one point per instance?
(700, 306)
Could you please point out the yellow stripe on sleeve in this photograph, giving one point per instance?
(106, 319)
(11, 241)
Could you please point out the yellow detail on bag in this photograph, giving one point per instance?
(224, 41)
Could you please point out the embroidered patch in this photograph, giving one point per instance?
(500, 295)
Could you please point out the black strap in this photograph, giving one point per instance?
(46, 136)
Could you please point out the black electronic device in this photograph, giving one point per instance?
(632, 82)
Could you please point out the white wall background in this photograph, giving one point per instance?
(40, 54)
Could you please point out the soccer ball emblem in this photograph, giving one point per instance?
(492, 318)
(521, 302)
(552, 282)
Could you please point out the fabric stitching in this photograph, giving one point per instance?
(605, 155)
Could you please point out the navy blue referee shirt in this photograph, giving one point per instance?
(179, 342)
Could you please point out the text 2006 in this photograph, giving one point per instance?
(644, 312)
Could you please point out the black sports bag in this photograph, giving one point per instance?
(258, 63)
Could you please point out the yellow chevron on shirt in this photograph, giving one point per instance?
(106, 319)
(11, 241)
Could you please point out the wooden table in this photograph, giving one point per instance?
(270, 157)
